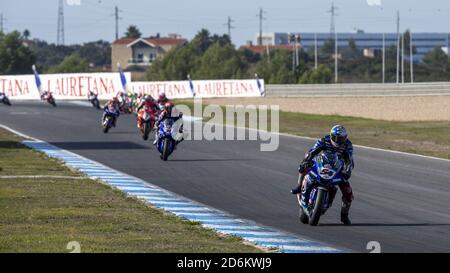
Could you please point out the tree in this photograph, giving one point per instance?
(15, 57)
(328, 47)
(277, 68)
(71, 64)
(320, 75)
(133, 32)
(436, 60)
(352, 45)
(202, 40)
(220, 62)
(98, 53)
(26, 34)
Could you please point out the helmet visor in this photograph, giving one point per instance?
(339, 139)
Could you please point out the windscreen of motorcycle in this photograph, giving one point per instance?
(329, 165)
(168, 125)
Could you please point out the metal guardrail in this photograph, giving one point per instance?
(356, 89)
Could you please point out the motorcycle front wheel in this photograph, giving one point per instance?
(106, 125)
(165, 153)
(318, 207)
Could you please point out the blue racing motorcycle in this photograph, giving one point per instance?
(109, 119)
(167, 136)
(324, 176)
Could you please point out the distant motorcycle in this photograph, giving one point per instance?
(109, 119)
(4, 99)
(146, 121)
(92, 97)
(325, 175)
(168, 137)
(48, 97)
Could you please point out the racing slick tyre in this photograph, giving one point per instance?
(318, 206)
(146, 129)
(165, 153)
(303, 217)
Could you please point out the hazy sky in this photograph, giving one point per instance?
(93, 19)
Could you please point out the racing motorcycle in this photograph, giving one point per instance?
(108, 120)
(325, 174)
(92, 97)
(168, 136)
(4, 99)
(146, 121)
(48, 97)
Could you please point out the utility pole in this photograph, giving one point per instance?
(291, 38)
(60, 30)
(229, 26)
(384, 59)
(403, 58)
(333, 14)
(411, 60)
(2, 20)
(315, 50)
(297, 45)
(261, 18)
(335, 57)
(398, 47)
(117, 18)
(333, 31)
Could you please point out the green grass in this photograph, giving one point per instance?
(426, 138)
(43, 215)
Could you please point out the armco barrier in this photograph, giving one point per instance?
(314, 90)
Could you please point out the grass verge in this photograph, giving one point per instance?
(424, 137)
(44, 215)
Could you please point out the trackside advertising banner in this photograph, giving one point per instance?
(63, 86)
(201, 89)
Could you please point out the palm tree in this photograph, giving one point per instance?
(133, 32)
(26, 34)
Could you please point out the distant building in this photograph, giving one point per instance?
(423, 42)
(142, 51)
(266, 48)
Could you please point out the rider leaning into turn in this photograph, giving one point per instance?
(148, 103)
(167, 112)
(162, 100)
(113, 106)
(338, 143)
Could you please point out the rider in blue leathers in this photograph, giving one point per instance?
(338, 143)
(111, 108)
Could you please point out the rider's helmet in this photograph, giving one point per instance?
(162, 96)
(338, 135)
(114, 99)
(148, 98)
(168, 107)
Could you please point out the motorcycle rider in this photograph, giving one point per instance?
(162, 100)
(92, 97)
(336, 142)
(113, 107)
(147, 103)
(167, 112)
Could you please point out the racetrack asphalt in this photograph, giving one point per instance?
(401, 201)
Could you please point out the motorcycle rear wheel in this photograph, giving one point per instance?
(6, 101)
(146, 130)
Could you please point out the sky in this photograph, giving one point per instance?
(91, 20)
